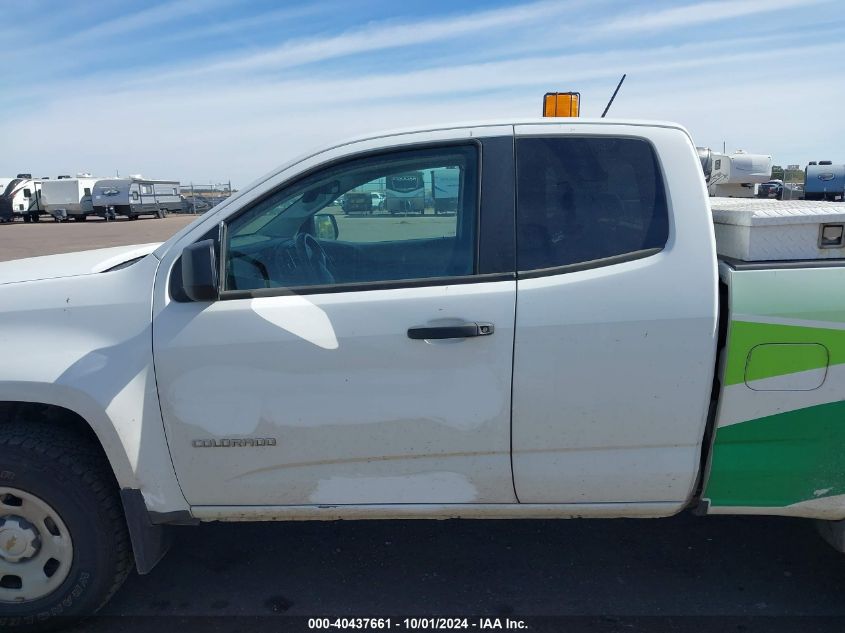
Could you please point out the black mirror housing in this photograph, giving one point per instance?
(200, 279)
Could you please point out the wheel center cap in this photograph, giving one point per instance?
(18, 539)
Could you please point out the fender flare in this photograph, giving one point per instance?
(86, 408)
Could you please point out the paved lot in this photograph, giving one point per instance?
(683, 566)
(48, 238)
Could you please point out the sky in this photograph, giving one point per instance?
(210, 91)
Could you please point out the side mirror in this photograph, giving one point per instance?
(325, 226)
(199, 271)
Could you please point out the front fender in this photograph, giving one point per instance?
(85, 343)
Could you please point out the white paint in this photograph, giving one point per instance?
(613, 365)
(432, 487)
(83, 342)
(334, 378)
(299, 316)
(738, 403)
(821, 492)
(775, 320)
(766, 230)
(70, 264)
(376, 405)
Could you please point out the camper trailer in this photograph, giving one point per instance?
(445, 189)
(134, 197)
(67, 197)
(824, 181)
(405, 193)
(5, 206)
(735, 175)
(23, 195)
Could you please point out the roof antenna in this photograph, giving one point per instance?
(610, 103)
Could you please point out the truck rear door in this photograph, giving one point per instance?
(616, 315)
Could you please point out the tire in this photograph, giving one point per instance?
(159, 214)
(26, 218)
(47, 464)
(36, 217)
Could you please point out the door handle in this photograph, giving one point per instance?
(464, 330)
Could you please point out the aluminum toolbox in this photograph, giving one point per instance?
(753, 229)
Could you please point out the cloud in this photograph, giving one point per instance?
(381, 36)
(165, 13)
(700, 13)
(242, 112)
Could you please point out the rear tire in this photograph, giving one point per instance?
(47, 466)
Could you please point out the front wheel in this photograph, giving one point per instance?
(64, 547)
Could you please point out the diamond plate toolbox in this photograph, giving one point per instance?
(753, 230)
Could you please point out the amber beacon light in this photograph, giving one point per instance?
(557, 104)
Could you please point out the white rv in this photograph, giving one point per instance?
(737, 175)
(405, 193)
(445, 189)
(23, 196)
(134, 197)
(67, 197)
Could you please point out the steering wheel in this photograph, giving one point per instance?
(309, 251)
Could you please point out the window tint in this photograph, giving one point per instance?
(390, 217)
(585, 198)
(87, 191)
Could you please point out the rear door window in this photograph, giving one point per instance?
(587, 199)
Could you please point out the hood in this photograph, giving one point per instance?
(71, 264)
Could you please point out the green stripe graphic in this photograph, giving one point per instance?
(781, 459)
(745, 335)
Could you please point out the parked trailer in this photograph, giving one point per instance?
(734, 175)
(23, 195)
(824, 181)
(405, 193)
(67, 198)
(5, 207)
(445, 189)
(134, 197)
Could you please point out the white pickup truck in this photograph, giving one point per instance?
(566, 344)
